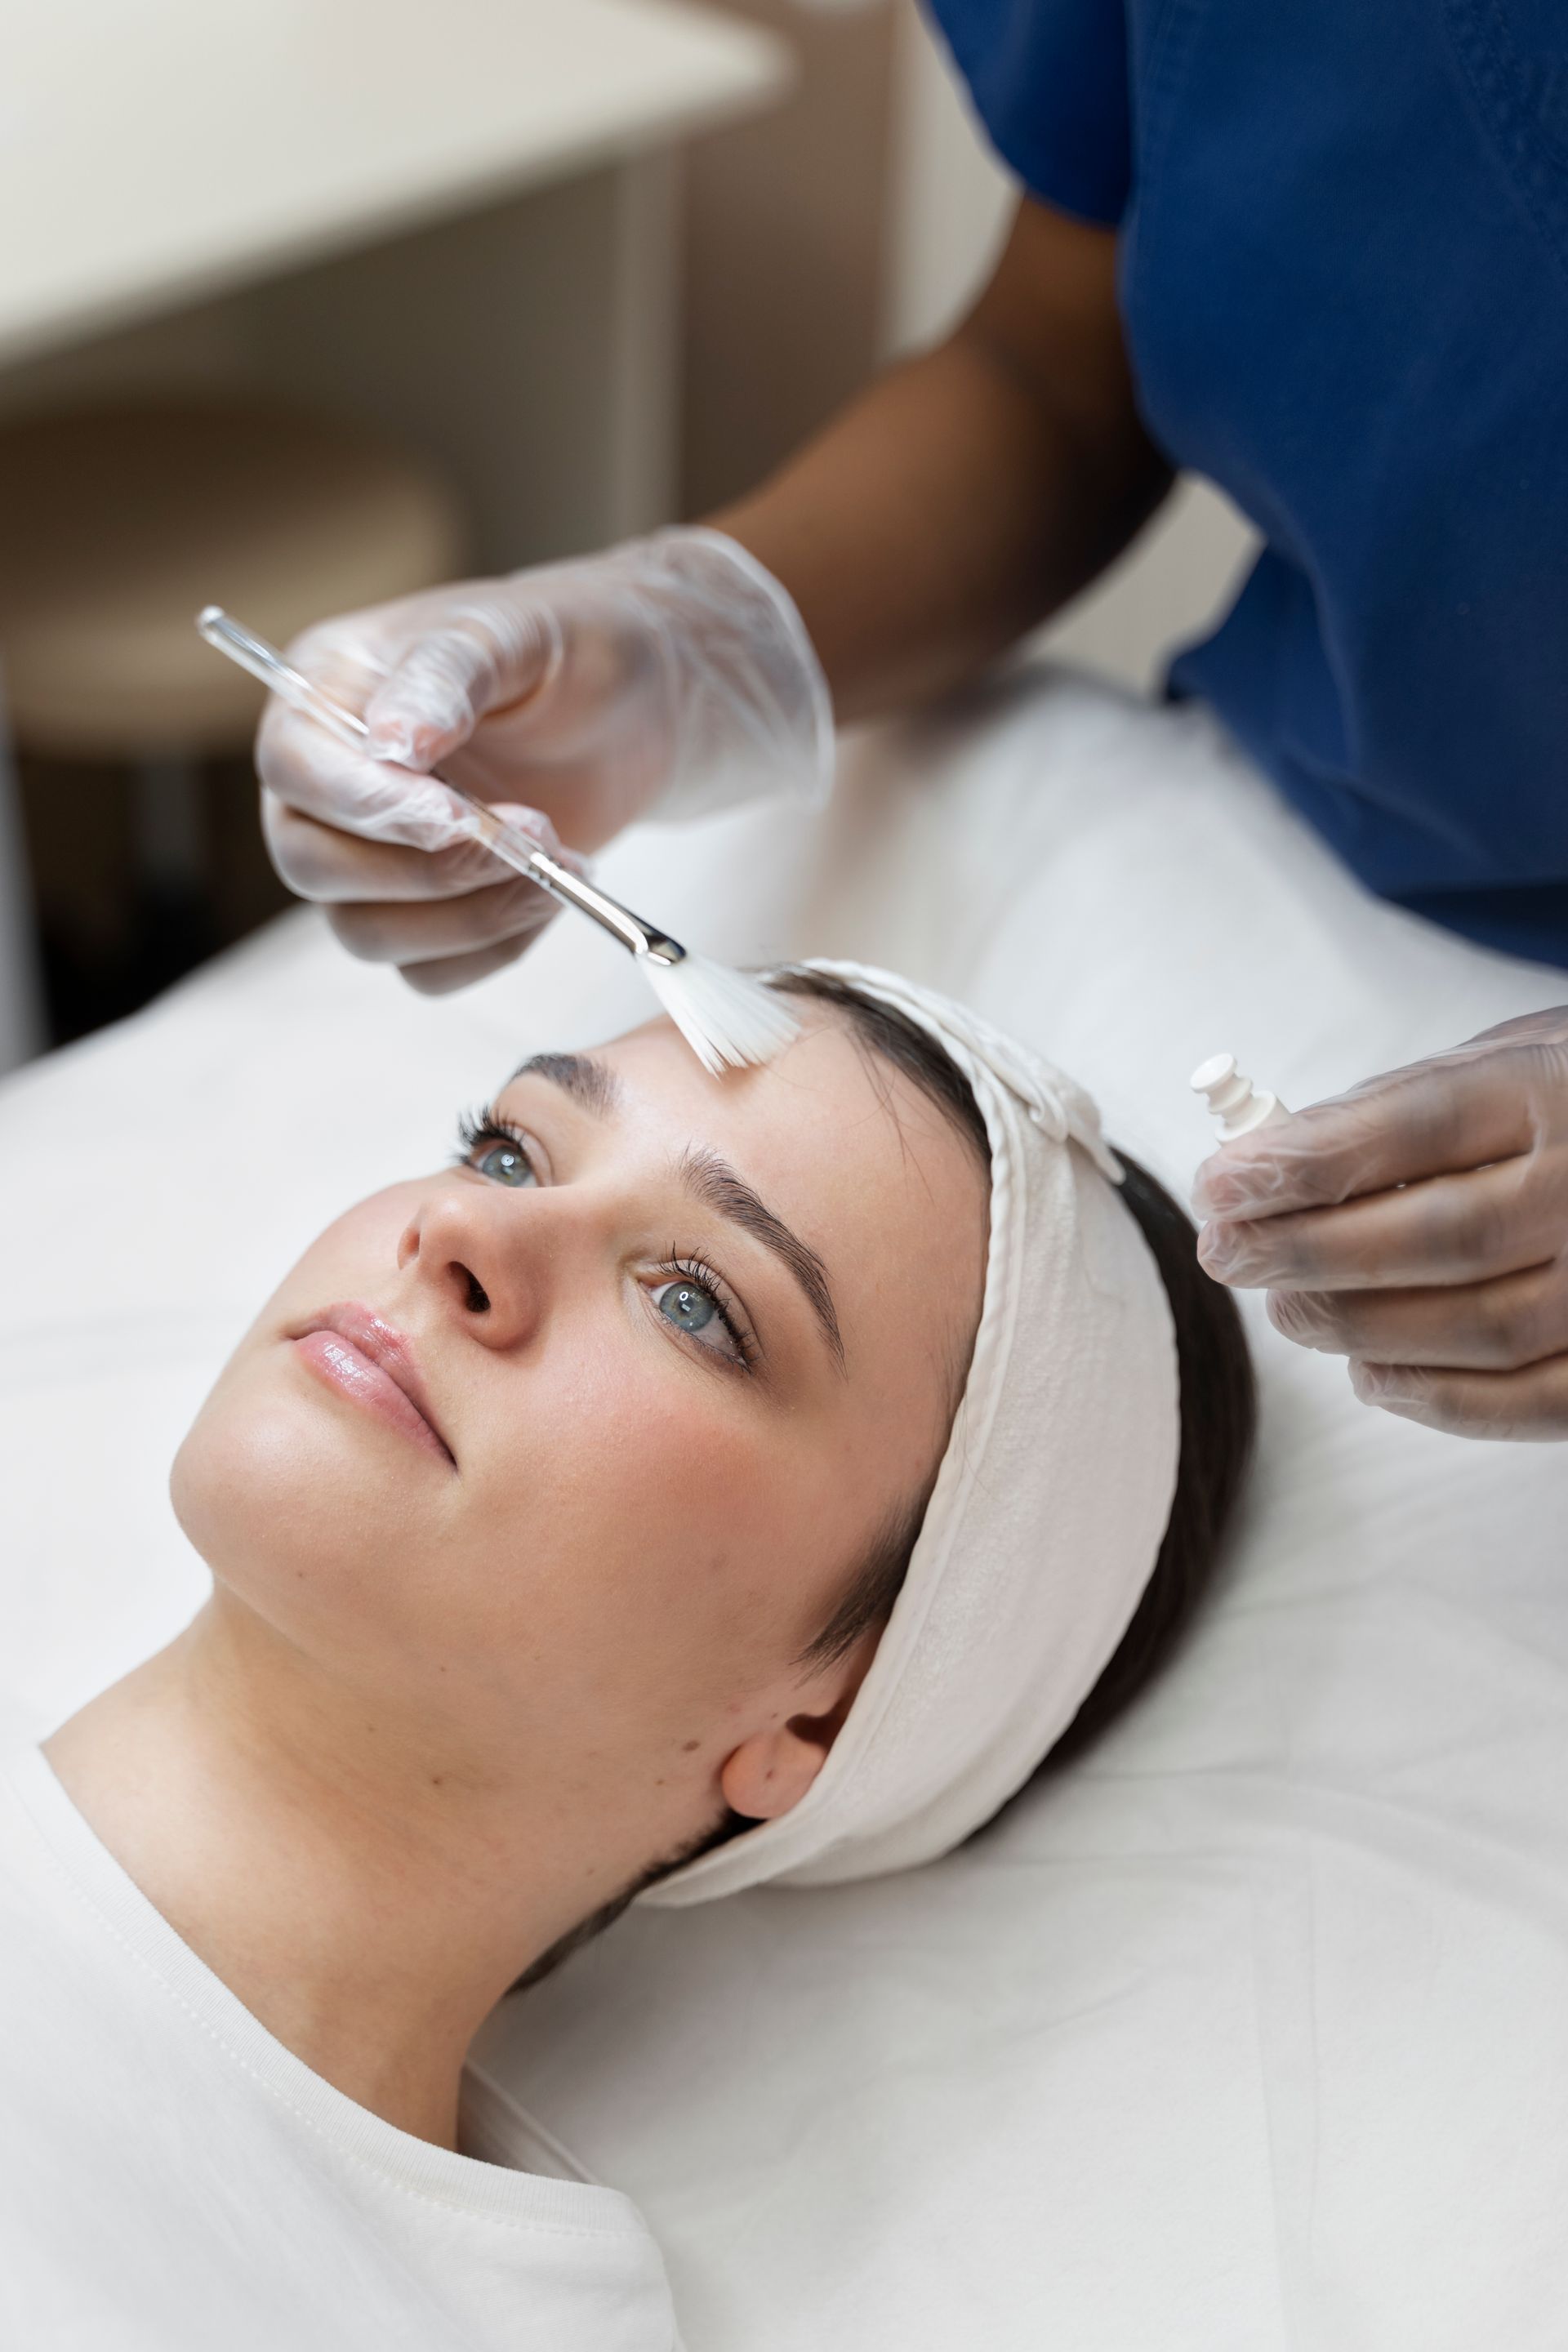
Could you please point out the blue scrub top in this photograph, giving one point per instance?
(1344, 276)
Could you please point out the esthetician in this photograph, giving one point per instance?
(1317, 254)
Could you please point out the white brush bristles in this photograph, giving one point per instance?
(727, 1018)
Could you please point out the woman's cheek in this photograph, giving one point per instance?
(713, 1509)
(647, 1481)
(356, 1257)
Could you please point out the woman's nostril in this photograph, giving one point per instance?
(478, 1298)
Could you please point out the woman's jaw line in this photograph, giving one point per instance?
(356, 1352)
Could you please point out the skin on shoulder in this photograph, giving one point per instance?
(666, 1358)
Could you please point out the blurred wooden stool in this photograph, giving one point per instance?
(119, 522)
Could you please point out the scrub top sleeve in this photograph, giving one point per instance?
(1049, 81)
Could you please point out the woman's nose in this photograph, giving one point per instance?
(487, 1258)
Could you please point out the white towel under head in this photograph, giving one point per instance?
(1048, 1512)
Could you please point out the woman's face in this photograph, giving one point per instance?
(569, 1450)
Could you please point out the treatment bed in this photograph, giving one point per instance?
(1249, 2034)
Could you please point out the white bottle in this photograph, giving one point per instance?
(1235, 1103)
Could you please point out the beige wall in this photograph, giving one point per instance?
(785, 246)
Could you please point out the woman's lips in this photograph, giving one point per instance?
(355, 1352)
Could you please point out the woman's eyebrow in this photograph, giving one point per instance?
(592, 1084)
(714, 1182)
(710, 1180)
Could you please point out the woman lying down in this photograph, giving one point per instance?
(696, 1486)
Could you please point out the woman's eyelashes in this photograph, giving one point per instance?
(495, 1147)
(689, 1296)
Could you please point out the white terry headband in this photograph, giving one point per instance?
(1048, 1512)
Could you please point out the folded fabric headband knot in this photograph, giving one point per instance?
(1056, 1103)
(1049, 1507)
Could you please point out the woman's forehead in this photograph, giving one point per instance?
(828, 1112)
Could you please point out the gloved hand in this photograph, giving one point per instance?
(1419, 1226)
(670, 676)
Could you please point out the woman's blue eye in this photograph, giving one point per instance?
(506, 1163)
(687, 1305)
(692, 1307)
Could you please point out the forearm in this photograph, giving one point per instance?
(968, 492)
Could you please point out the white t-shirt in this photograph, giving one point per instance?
(172, 2179)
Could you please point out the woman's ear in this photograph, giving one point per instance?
(770, 1772)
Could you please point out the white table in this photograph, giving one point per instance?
(155, 150)
(454, 218)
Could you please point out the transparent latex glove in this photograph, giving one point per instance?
(1419, 1226)
(666, 676)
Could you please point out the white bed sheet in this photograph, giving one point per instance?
(1253, 2031)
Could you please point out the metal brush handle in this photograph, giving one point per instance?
(264, 661)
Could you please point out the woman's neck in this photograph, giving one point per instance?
(366, 1905)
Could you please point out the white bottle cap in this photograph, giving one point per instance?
(1233, 1101)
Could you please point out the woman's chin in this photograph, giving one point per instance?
(291, 1506)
